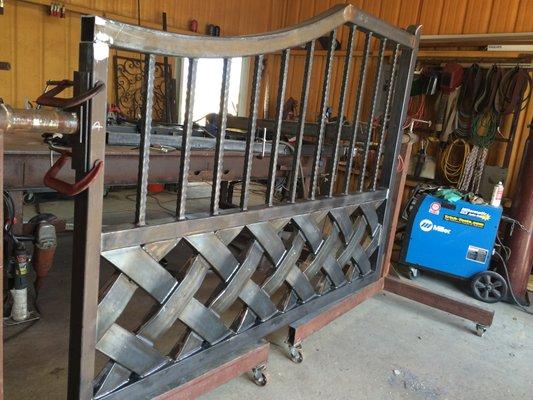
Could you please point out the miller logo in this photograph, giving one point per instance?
(426, 225)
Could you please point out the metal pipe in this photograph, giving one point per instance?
(17, 120)
(521, 241)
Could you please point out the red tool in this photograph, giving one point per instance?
(70, 189)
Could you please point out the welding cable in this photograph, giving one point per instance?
(452, 170)
(511, 291)
(514, 91)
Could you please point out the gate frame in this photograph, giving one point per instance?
(96, 38)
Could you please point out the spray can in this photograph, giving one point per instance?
(497, 194)
(19, 311)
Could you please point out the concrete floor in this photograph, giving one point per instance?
(386, 348)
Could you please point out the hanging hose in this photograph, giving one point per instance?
(452, 170)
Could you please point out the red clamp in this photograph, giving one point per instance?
(49, 98)
(70, 189)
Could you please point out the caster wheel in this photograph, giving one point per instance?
(413, 273)
(480, 330)
(296, 354)
(259, 376)
(29, 198)
(488, 286)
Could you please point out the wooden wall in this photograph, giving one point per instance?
(436, 17)
(40, 47)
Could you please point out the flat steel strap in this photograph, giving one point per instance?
(114, 303)
(312, 234)
(170, 311)
(204, 322)
(216, 253)
(342, 218)
(144, 270)
(288, 262)
(268, 238)
(334, 271)
(128, 350)
(369, 211)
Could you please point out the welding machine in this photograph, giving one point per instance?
(457, 239)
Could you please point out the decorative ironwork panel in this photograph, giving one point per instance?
(299, 259)
(252, 269)
(128, 75)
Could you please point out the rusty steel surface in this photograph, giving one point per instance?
(521, 241)
(248, 270)
(448, 304)
(27, 159)
(305, 327)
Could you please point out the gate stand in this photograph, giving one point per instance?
(305, 327)
(252, 359)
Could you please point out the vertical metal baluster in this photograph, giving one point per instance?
(219, 148)
(342, 105)
(357, 112)
(301, 120)
(391, 148)
(186, 140)
(386, 113)
(372, 113)
(323, 109)
(277, 129)
(144, 147)
(252, 126)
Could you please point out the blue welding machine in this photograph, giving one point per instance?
(457, 239)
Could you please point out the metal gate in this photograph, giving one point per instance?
(299, 255)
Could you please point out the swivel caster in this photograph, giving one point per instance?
(480, 330)
(259, 376)
(295, 353)
(414, 273)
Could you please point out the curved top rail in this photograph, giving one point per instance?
(136, 38)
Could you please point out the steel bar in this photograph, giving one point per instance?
(291, 127)
(342, 104)
(136, 38)
(284, 67)
(144, 148)
(384, 121)
(221, 131)
(88, 206)
(441, 302)
(392, 147)
(370, 120)
(323, 109)
(167, 79)
(357, 112)
(186, 139)
(252, 127)
(310, 47)
(115, 237)
(196, 143)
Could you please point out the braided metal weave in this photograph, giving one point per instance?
(306, 256)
